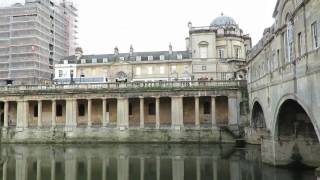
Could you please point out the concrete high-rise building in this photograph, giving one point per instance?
(33, 37)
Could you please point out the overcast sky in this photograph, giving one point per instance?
(150, 25)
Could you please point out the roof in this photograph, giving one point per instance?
(128, 57)
(223, 21)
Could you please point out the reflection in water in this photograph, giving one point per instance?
(138, 162)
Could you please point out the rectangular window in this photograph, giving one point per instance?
(122, 58)
(162, 70)
(204, 68)
(83, 61)
(150, 70)
(94, 61)
(35, 110)
(81, 110)
(150, 58)
(173, 69)
(299, 44)
(130, 109)
(162, 57)
(284, 49)
(152, 109)
(237, 52)
(314, 32)
(206, 107)
(204, 52)
(58, 110)
(138, 71)
(60, 73)
(220, 53)
(65, 62)
(138, 58)
(179, 56)
(105, 60)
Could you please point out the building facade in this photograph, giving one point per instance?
(283, 73)
(33, 37)
(215, 52)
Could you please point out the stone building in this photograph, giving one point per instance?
(283, 72)
(215, 52)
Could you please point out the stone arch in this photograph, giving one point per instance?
(257, 116)
(293, 115)
(121, 76)
(285, 9)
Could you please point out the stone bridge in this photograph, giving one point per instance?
(123, 112)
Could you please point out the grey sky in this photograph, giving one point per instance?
(149, 25)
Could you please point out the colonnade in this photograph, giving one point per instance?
(122, 112)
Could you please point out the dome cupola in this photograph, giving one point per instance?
(223, 21)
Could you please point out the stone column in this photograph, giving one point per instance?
(71, 113)
(104, 114)
(123, 168)
(177, 112)
(215, 169)
(39, 114)
(22, 114)
(4, 170)
(196, 112)
(89, 113)
(122, 113)
(105, 162)
(177, 168)
(53, 169)
(6, 114)
(38, 169)
(232, 111)
(53, 113)
(141, 112)
(89, 168)
(213, 112)
(157, 112)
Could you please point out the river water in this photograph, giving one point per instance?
(139, 162)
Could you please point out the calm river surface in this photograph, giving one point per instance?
(139, 162)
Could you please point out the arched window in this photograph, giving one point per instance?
(288, 40)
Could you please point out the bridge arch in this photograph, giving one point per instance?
(292, 118)
(257, 116)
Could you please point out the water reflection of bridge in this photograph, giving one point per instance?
(124, 162)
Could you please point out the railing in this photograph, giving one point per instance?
(129, 85)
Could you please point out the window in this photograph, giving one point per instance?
(203, 52)
(284, 45)
(314, 32)
(122, 58)
(130, 109)
(152, 109)
(81, 110)
(220, 53)
(60, 73)
(59, 110)
(179, 56)
(206, 107)
(237, 52)
(138, 71)
(289, 41)
(65, 62)
(105, 60)
(161, 69)
(150, 58)
(204, 68)
(138, 58)
(71, 73)
(173, 69)
(83, 61)
(94, 61)
(150, 70)
(162, 57)
(35, 110)
(299, 44)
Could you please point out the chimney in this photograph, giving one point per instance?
(190, 25)
(78, 52)
(131, 50)
(188, 44)
(170, 49)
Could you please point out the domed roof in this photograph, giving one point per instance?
(223, 21)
